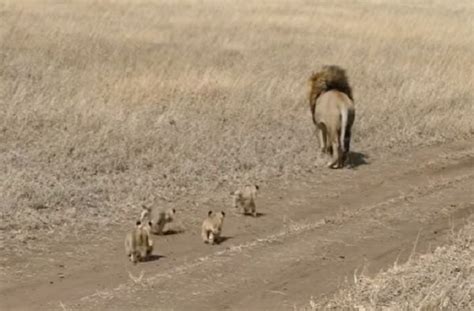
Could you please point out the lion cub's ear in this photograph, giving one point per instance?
(209, 213)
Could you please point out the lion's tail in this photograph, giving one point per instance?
(344, 117)
(347, 119)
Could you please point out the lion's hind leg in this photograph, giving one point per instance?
(322, 135)
(336, 157)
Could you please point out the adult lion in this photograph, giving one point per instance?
(333, 112)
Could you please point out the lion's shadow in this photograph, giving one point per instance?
(357, 159)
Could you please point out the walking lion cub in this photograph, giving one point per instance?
(212, 227)
(245, 198)
(138, 242)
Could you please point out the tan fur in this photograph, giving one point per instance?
(245, 198)
(333, 112)
(212, 227)
(138, 242)
(158, 217)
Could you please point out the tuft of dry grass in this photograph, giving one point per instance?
(107, 104)
(441, 280)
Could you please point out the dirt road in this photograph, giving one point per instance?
(312, 235)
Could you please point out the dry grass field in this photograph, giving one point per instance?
(106, 105)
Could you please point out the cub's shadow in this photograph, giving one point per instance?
(357, 159)
(172, 231)
(257, 216)
(154, 257)
(223, 239)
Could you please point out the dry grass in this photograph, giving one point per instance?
(106, 104)
(442, 280)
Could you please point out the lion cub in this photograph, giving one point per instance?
(212, 227)
(138, 243)
(245, 198)
(158, 217)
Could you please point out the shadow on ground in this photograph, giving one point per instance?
(223, 239)
(154, 258)
(258, 215)
(173, 231)
(357, 159)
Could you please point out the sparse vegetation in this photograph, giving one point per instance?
(441, 280)
(107, 104)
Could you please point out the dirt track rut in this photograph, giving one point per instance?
(312, 236)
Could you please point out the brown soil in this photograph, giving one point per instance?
(311, 236)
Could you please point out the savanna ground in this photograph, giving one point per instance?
(106, 105)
